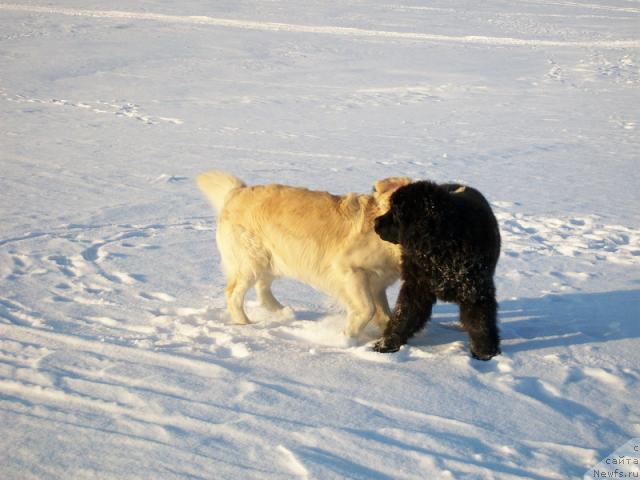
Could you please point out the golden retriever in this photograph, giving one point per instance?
(324, 240)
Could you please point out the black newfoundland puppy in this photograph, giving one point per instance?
(450, 246)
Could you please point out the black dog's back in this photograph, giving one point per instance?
(475, 219)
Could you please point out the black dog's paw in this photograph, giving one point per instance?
(487, 355)
(385, 345)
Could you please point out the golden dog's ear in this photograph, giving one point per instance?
(391, 184)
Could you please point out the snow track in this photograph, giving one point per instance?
(323, 30)
(125, 110)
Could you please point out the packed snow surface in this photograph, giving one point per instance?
(117, 356)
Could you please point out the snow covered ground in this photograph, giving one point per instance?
(117, 358)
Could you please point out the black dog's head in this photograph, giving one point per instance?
(419, 206)
(387, 226)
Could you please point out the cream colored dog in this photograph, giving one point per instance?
(324, 240)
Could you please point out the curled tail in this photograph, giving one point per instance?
(216, 185)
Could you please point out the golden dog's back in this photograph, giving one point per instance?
(301, 233)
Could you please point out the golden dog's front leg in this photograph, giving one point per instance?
(356, 295)
(382, 314)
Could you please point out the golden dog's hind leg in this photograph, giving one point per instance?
(359, 301)
(265, 295)
(235, 292)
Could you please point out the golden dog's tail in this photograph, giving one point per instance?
(216, 185)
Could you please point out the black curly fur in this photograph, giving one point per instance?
(450, 247)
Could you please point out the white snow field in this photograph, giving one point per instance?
(117, 357)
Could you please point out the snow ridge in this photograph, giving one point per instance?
(325, 30)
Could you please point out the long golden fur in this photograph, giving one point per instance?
(324, 240)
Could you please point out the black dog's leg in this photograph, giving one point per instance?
(479, 320)
(421, 312)
(412, 311)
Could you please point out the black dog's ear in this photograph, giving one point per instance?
(435, 199)
(407, 203)
(400, 198)
(431, 206)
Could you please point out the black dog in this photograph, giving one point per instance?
(450, 246)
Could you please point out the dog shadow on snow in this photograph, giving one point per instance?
(528, 324)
